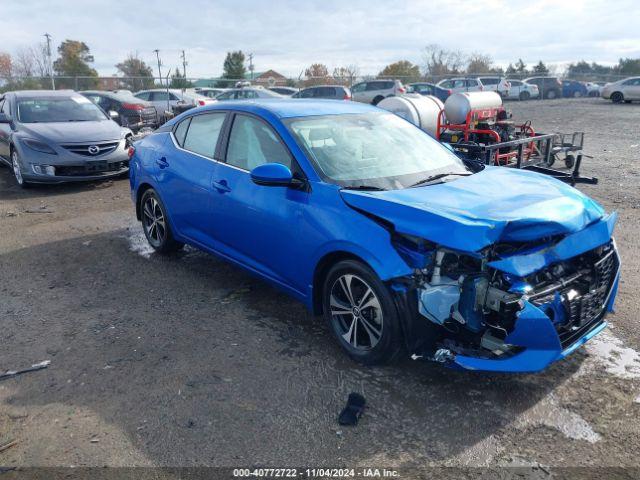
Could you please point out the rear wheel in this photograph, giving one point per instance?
(551, 94)
(569, 160)
(525, 95)
(377, 100)
(617, 97)
(577, 94)
(361, 313)
(155, 223)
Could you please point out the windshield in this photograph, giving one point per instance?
(379, 150)
(75, 108)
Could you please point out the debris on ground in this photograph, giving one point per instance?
(353, 410)
(7, 446)
(32, 368)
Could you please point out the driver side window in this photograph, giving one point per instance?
(253, 143)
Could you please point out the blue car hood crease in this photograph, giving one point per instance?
(73, 132)
(470, 213)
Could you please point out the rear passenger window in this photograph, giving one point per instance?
(253, 143)
(203, 132)
(324, 92)
(181, 131)
(308, 93)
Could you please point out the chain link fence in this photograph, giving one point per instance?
(134, 84)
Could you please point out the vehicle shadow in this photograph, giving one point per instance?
(9, 190)
(198, 363)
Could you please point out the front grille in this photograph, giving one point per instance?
(92, 149)
(91, 168)
(584, 297)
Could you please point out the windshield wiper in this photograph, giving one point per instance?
(433, 178)
(365, 187)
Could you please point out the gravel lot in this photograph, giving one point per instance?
(187, 361)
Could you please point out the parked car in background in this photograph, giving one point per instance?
(574, 89)
(209, 92)
(285, 91)
(332, 92)
(549, 87)
(497, 84)
(593, 89)
(623, 90)
(247, 93)
(457, 85)
(520, 90)
(429, 89)
(131, 112)
(172, 100)
(59, 136)
(373, 91)
(400, 245)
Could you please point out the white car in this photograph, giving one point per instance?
(593, 89)
(166, 100)
(623, 90)
(499, 85)
(462, 85)
(520, 90)
(374, 91)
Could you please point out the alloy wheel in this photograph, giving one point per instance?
(356, 311)
(16, 168)
(153, 222)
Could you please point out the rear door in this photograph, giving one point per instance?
(632, 89)
(258, 225)
(5, 128)
(184, 172)
(358, 92)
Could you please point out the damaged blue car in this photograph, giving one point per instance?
(400, 245)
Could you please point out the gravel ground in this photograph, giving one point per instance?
(188, 361)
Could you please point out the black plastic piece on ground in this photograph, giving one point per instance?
(353, 410)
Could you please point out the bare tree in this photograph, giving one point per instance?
(438, 61)
(31, 61)
(346, 75)
(479, 63)
(6, 66)
(317, 74)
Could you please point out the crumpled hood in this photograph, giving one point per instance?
(73, 132)
(497, 204)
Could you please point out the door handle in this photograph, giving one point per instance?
(221, 186)
(162, 162)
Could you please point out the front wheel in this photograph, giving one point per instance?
(155, 224)
(617, 97)
(551, 94)
(17, 172)
(361, 313)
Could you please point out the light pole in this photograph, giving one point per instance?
(157, 52)
(53, 83)
(184, 66)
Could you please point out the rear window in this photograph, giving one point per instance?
(202, 133)
(490, 81)
(324, 92)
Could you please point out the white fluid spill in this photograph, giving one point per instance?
(617, 359)
(138, 242)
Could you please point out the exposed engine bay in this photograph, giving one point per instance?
(477, 307)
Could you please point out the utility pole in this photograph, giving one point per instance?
(251, 67)
(53, 82)
(157, 52)
(184, 66)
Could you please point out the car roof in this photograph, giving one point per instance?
(44, 93)
(322, 86)
(285, 108)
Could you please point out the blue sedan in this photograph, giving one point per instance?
(394, 240)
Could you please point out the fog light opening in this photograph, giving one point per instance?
(44, 170)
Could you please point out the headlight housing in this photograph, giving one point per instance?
(39, 146)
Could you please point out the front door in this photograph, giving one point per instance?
(258, 225)
(5, 129)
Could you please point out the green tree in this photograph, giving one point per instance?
(233, 67)
(73, 61)
(629, 66)
(521, 67)
(138, 75)
(403, 70)
(178, 80)
(540, 68)
(479, 63)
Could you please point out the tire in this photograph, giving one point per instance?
(155, 223)
(377, 100)
(552, 160)
(617, 97)
(577, 94)
(524, 96)
(17, 173)
(361, 313)
(569, 160)
(551, 94)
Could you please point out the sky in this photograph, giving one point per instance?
(287, 35)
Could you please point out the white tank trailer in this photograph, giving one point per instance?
(423, 110)
(458, 105)
(418, 109)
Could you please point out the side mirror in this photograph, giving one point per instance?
(113, 115)
(272, 175)
(4, 118)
